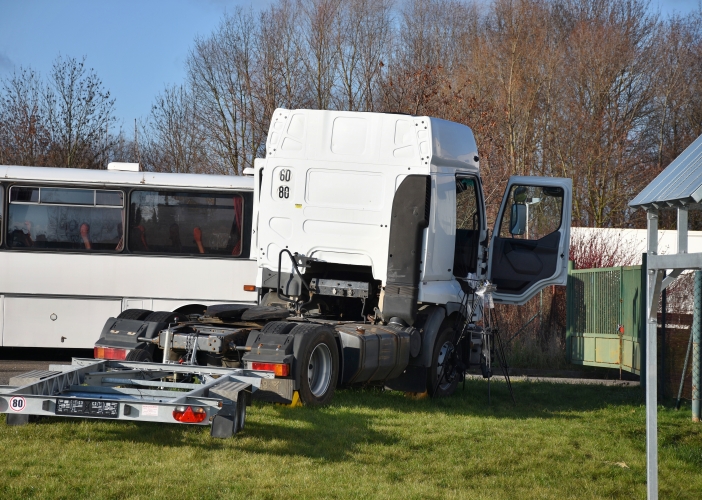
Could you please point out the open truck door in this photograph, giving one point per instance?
(530, 240)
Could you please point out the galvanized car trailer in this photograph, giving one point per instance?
(135, 391)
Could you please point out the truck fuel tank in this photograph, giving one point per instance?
(372, 353)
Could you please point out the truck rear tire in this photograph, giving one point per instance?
(436, 383)
(167, 317)
(138, 314)
(317, 364)
(141, 354)
(278, 327)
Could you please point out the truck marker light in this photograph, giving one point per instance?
(189, 414)
(249, 288)
(109, 353)
(280, 369)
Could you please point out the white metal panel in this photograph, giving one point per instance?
(55, 322)
(120, 178)
(439, 292)
(138, 303)
(172, 305)
(441, 233)
(338, 215)
(119, 276)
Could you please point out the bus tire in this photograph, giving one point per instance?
(138, 314)
(278, 327)
(141, 354)
(317, 364)
(167, 317)
(445, 341)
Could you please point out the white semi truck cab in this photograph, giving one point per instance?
(372, 246)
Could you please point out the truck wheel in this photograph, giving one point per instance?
(165, 317)
(279, 327)
(141, 354)
(317, 364)
(437, 383)
(138, 314)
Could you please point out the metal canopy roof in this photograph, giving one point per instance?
(678, 185)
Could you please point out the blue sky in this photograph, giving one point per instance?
(136, 47)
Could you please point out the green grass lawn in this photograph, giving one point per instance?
(560, 441)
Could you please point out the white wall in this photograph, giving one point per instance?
(635, 239)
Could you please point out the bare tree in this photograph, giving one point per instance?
(24, 139)
(78, 112)
(175, 142)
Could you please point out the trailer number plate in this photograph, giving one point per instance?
(87, 407)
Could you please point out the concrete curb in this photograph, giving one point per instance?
(557, 380)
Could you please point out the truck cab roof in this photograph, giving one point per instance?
(421, 143)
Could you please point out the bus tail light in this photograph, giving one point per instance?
(189, 414)
(109, 353)
(280, 369)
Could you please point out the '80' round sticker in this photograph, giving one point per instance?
(18, 403)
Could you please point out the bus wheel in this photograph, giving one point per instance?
(317, 364)
(139, 314)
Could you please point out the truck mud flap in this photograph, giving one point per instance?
(275, 390)
(414, 379)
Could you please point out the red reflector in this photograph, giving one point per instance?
(280, 369)
(109, 353)
(189, 414)
(249, 288)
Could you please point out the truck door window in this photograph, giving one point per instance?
(467, 227)
(533, 212)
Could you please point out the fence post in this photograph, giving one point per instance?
(662, 369)
(696, 334)
(569, 312)
(644, 321)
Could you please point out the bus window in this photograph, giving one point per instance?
(64, 219)
(185, 223)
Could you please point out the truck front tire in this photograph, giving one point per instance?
(437, 384)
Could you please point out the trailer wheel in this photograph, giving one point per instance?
(138, 314)
(317, 364)
(440, 379)
(241, 411)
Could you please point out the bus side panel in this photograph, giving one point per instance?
(49, 322)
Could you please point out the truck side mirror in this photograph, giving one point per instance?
(517, 219)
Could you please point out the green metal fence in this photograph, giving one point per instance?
(605, 311)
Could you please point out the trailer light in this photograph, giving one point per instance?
(109, 353)
(280, 369)
(249, 288)
(189, 414)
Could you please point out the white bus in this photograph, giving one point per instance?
(79, 246)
